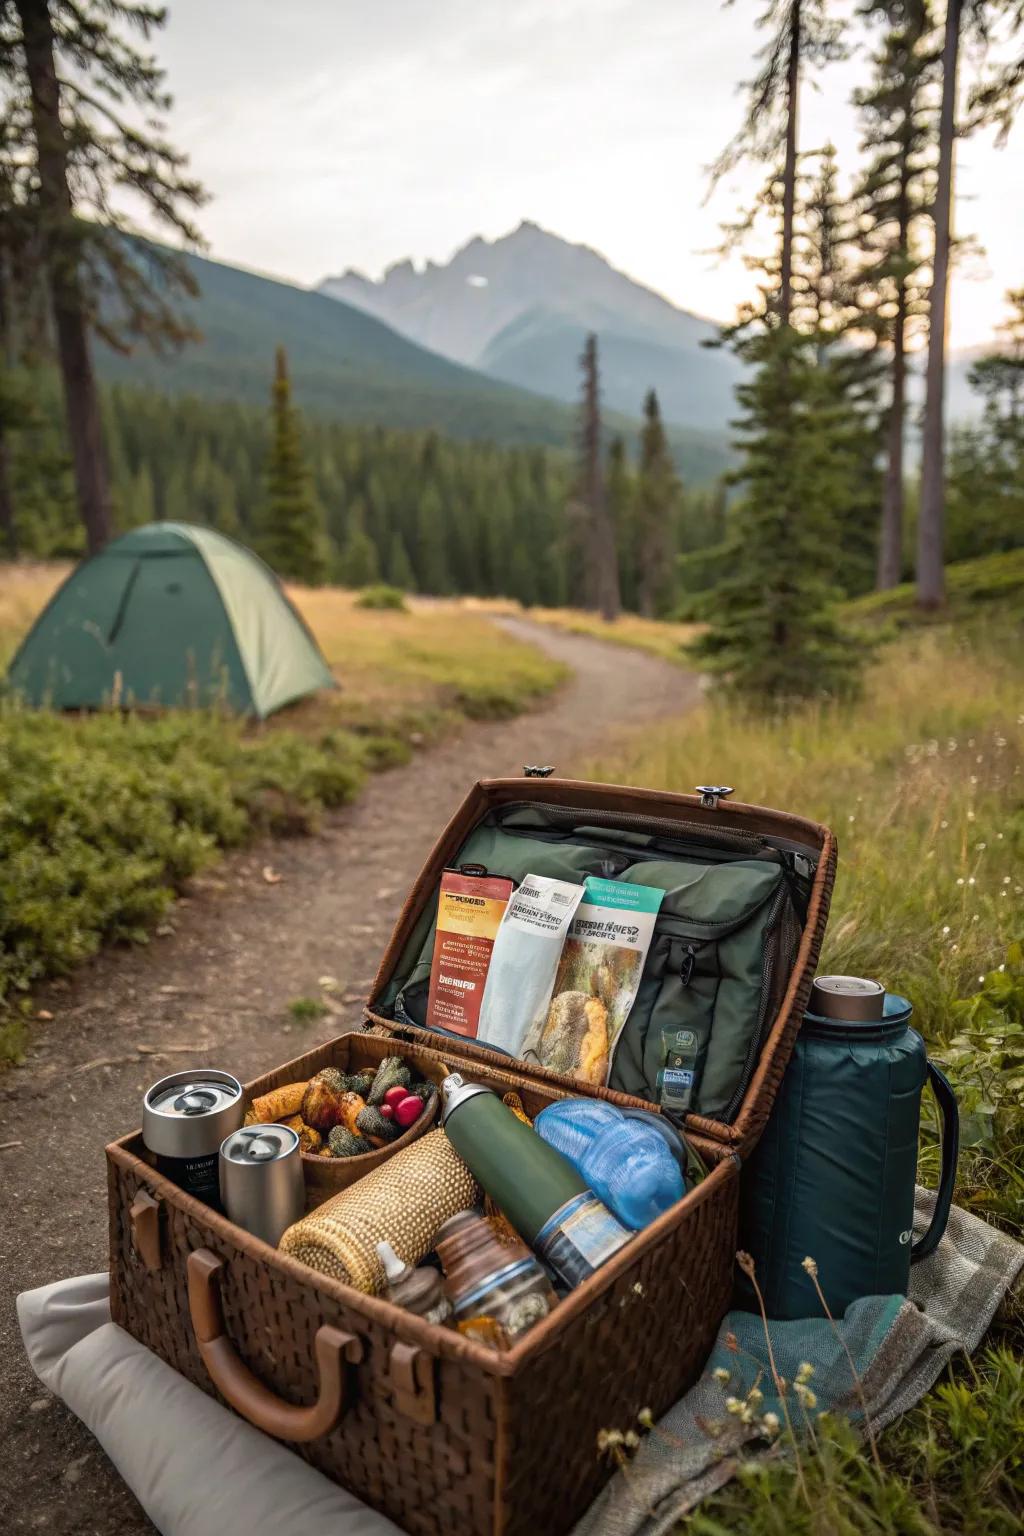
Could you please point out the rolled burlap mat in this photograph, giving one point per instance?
(402, 1202)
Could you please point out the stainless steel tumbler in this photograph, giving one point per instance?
(185, 1117)
(261, 1183)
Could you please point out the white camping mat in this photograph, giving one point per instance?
(196, 1467)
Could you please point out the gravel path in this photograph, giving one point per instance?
(214, 988)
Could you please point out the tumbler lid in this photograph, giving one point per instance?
(851, 999)
(188, 1114)
(259, 1144)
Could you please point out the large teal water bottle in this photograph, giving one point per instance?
(833, 1176)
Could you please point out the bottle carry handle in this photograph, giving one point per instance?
(950, 1114)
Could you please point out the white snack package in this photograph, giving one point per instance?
(524, 960)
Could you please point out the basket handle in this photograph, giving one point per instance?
(244, 1391)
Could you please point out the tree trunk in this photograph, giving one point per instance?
(890, 544)
(601, 556)
(8, 537)
(81, 399)
(930, 573)
(789, 171)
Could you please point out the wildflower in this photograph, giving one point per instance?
(1002, 967)
(755, 1397)
(972, 881)
(1000, 742)
(970, 815)
(609, 1439)
(960, 881)
(631, 1439)
(981, 979)
(805, 1395)
(943, 825)
(638, 1289)
(851, 818)
(811, 1266)
(804, 1372)
(745, 1263)
(645, 1418)
(981, 847)
(954, 948)
(945, 928)
(1006, 878)
(722, 1376)
(974, 918)
(770, 1424)
(734, 1405)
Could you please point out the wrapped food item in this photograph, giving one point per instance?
(469, 913)
(598, 976)
(524, 961)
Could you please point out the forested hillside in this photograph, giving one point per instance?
(354, 368)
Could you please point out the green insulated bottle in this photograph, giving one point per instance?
(538, 1189)
(832, 1178)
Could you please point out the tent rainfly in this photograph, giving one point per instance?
(170, 615)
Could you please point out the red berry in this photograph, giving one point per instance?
(387, 1111)
(394, 1097)
(408, 1110)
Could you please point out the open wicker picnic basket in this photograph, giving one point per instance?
(433, 1429)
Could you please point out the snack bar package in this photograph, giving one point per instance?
(525, 960)
(598, 977)
(469, 913)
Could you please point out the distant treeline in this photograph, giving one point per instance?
(426, 513)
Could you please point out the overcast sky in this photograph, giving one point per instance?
(333, 133)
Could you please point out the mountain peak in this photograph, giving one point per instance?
(501, 303)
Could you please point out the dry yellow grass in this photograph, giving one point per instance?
(24, 590)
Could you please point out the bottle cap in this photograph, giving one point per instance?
(455, 1091)
(394, 1267)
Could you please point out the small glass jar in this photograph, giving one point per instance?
(505, 1305)
(498, 1290)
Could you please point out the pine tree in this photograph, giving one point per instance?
(358, 565)
(71, 71)
(597, 537)
(772, 636)
(893, 199)
(430, 552)
(986, 476)
(291, 537)
(621, 492)
(657, 499)
(801, 34)
(399, 567)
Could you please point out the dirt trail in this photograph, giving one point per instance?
(216, 990)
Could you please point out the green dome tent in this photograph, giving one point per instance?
(170, 615)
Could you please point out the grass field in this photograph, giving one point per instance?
(923, 783)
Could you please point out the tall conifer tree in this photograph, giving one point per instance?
(658, 494)
(71, 71)
(597, 535)
(291, 537)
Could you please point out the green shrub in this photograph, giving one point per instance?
(388, 599)
(102, 819)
